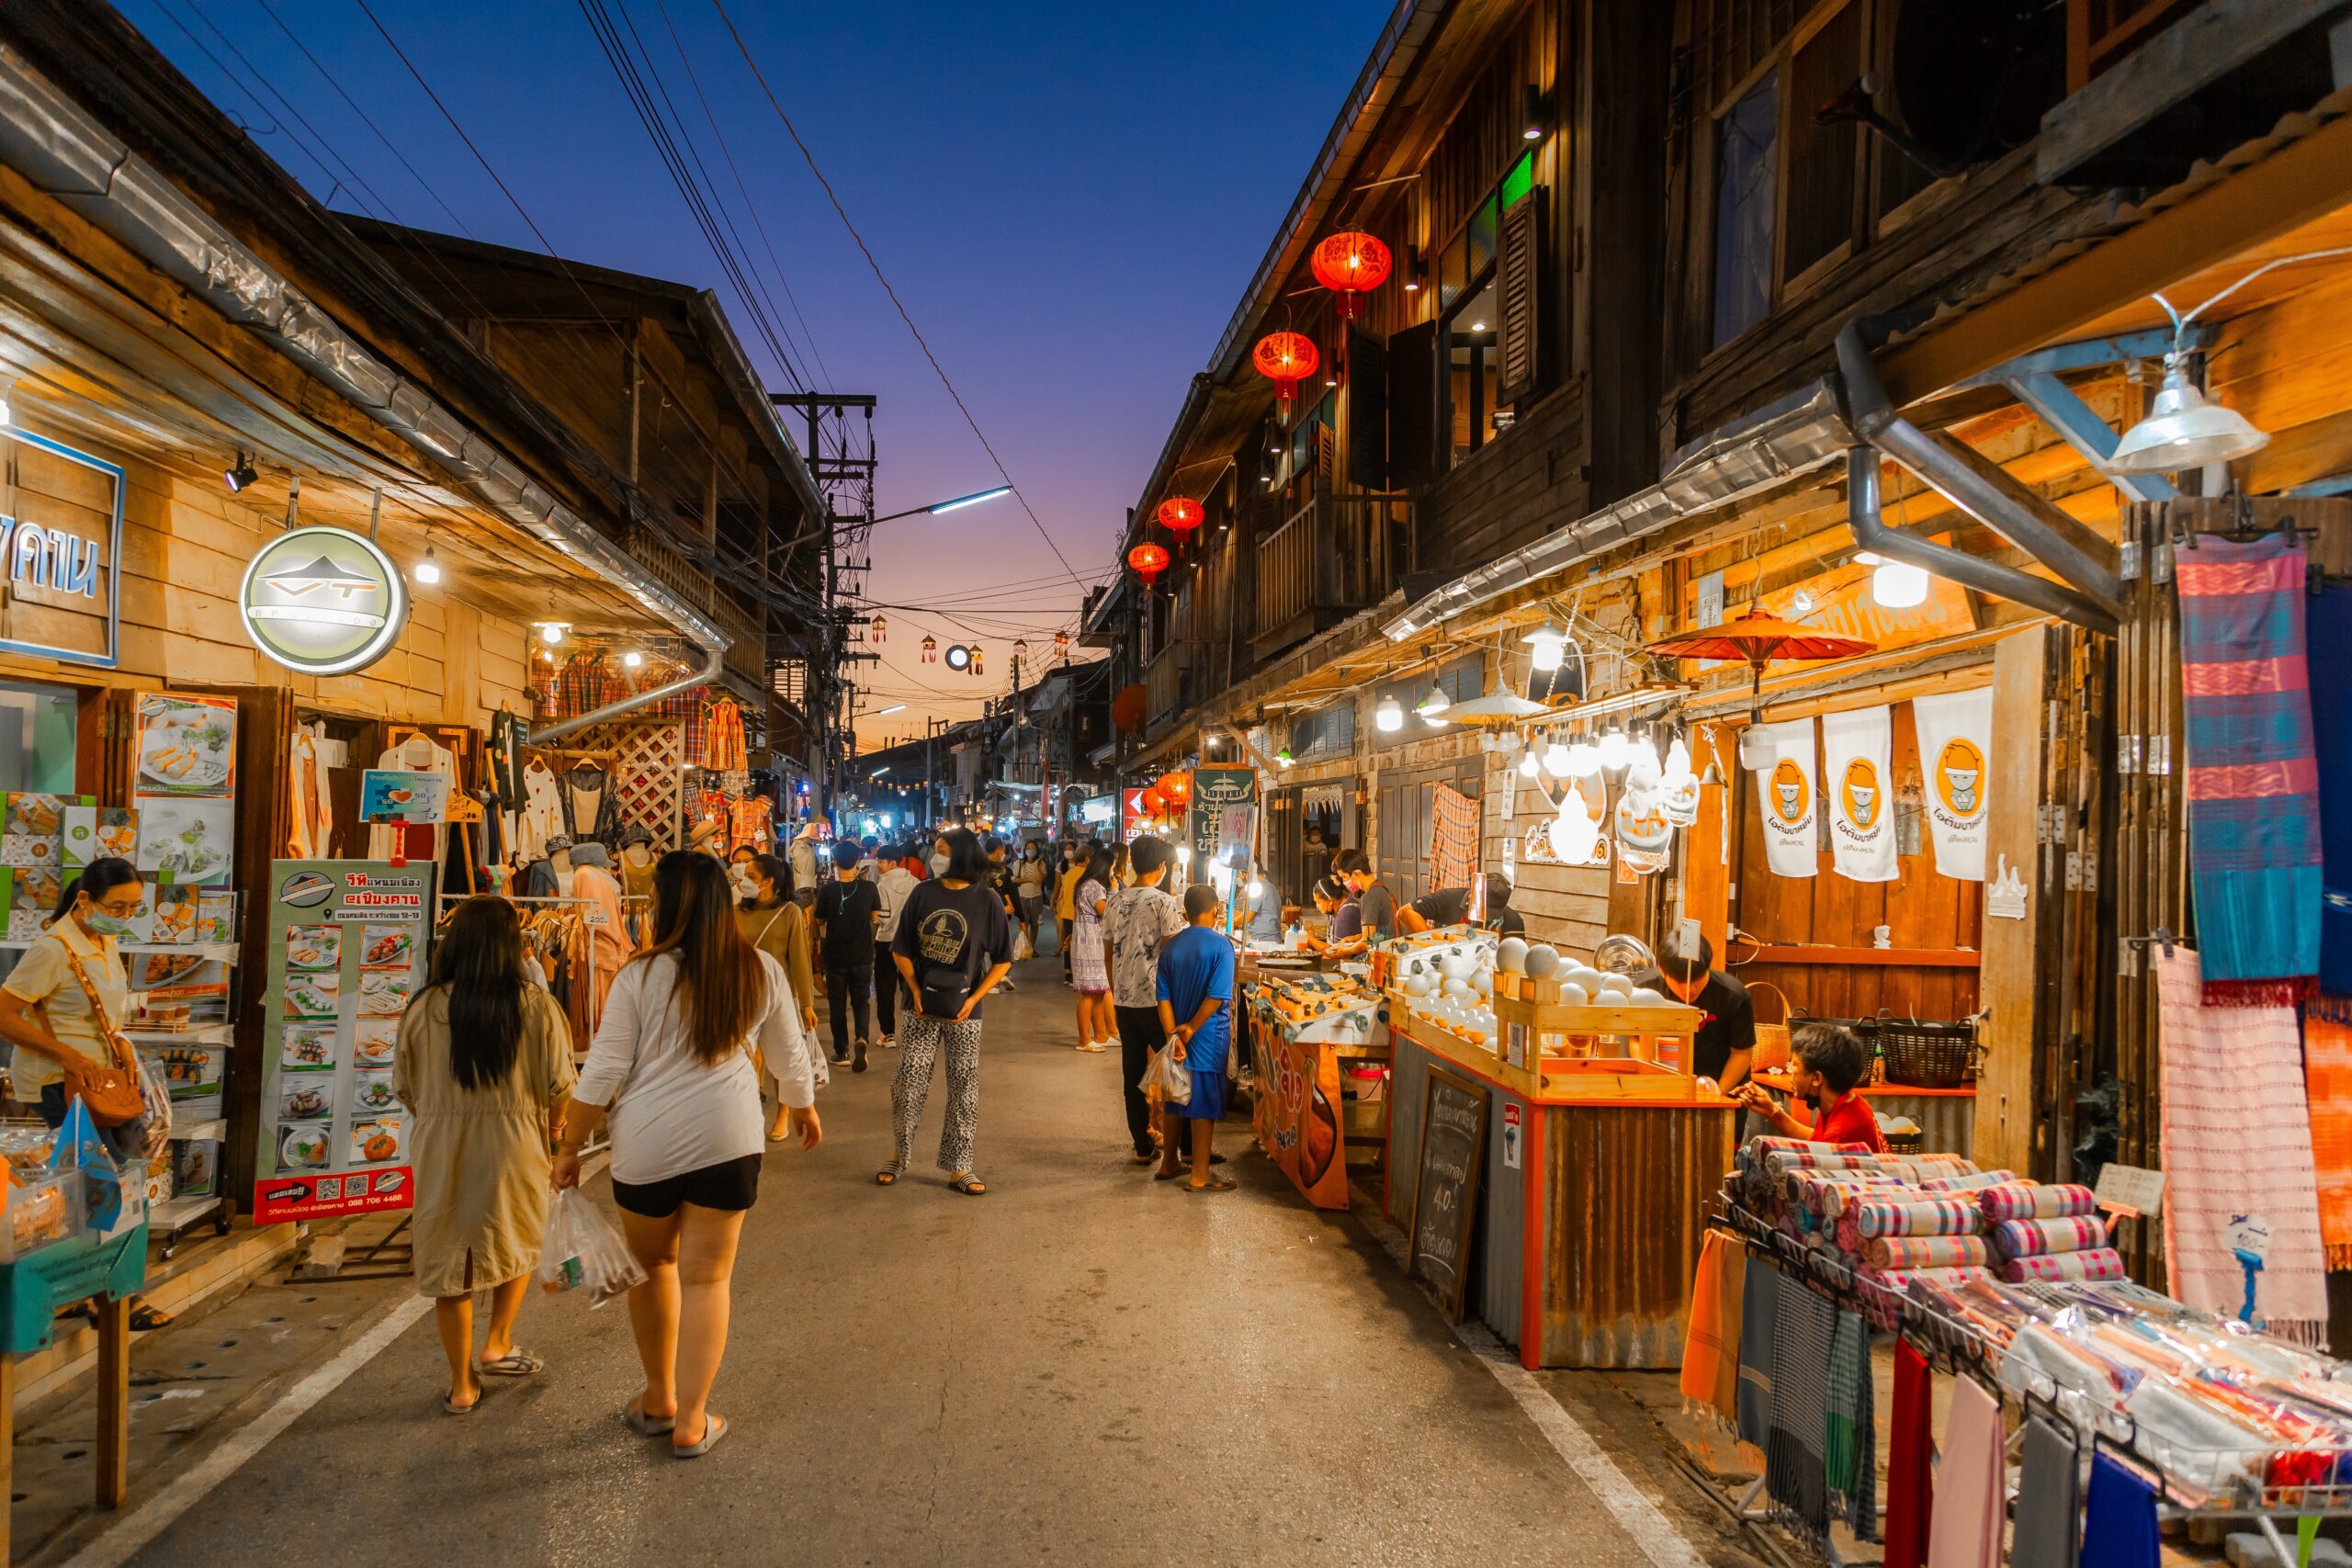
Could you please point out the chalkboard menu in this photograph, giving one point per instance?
(1445, 1201)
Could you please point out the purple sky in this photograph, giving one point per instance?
(1068, 199)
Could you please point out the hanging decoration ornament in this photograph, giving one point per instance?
(976, 659)
(1149, 560)
(1177, 788)
(1350, 265)
(1061, 644)
(931, 650)
(1180, 514)
(881, 624)
(1286, 359)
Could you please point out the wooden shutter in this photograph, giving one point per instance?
(1365, 402)
(1519, 290)
(1412, 407)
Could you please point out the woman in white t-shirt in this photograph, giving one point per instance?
(671, 1066)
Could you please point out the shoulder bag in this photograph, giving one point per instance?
(113, 1091)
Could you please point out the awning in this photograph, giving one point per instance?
(1790, 437)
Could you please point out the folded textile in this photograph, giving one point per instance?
(1926, 1252)
(2034, 1200)
(1923, 1216)
(1968, 1183)
(1911, 1460)
(1850, 1456)
(1970, 1482)
(2101, 1263)
(2327, 1077)
(2237, 1140)
(2200, 1446)
(2120, 1518)
(2049, 1511)
(2030, 1238)
(1894, 1285)
(1711, 1349)
(1796, 1482)
(2253, 769)
(1759, 1331)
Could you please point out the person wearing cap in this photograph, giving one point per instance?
(802, 857)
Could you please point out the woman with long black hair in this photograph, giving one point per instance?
(483, 1064)
(65, 1004)
(671, 1066)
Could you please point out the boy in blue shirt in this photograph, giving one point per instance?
(1196, 987)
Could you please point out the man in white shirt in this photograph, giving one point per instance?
(1139, 919)
(893, 884)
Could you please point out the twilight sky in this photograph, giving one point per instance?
(1067, 197)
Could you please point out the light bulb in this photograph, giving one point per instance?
(1389, 714)
(427, 570)
(551, 632)
(1677, 759)
(1575, 833)
(1436, 703)
(1183, 854)
(1549, 643)
(1256, 886)
(632, 659)
(1555, 759)
(1898, 585)
(1612, 750)
(1528, 766)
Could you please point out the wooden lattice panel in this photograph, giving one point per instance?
(648, 766)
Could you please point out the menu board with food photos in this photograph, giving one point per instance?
(346, 950)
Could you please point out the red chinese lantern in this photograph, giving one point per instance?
(1178, 515)
(1149, 560)
(930, 650)
(1351, 265)
(1286, 359)
(1177, 788)
(1147, 800)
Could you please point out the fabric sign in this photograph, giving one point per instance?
(1857, 752)
(1955, 739)
(1785, 787)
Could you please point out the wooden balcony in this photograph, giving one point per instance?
(1169, 685)
(1331, 558)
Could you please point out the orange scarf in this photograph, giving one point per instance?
(2328, 1073)
(1711, 1350)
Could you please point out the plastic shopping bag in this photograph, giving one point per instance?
(1165, 1079)
(583, 1250)
(1024, 949)
(107, 1202)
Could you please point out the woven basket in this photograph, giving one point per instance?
(1906, 1142)
(1927, 1056)
(1771, 1039)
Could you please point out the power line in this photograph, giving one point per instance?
(940, 370)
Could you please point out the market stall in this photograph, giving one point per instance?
(1321, 1042)
(1548, 1160)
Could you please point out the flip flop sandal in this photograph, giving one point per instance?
(450, 1406)
(970, 1186)
(1169, 1174)
(145, 1319)
(714, 1427)
(887, 1176)
(1151, 1158)
(1213, 1184)
(646, 1426)
(515, 1363)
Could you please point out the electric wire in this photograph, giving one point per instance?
(937, 369)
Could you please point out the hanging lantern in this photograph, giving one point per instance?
(881, 624)
(930, 649)
(1021, 647)
(1350, 265)
(1286, 359)
(1149, 560)
(1061, 644)
(975, 665)
(1180, 514)
(1177, 788)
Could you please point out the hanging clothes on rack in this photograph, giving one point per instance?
(542, 816)
(749, 822)
(310, 809)
(420, 753)
(609, 946)
(506, 743)
(584, 684)
(592, 807)
(723, 746)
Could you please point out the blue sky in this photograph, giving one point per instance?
(1069, 198)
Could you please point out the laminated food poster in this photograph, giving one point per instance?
(346, 950)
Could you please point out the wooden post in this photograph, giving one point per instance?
(2006, 1113)
(113, 1399)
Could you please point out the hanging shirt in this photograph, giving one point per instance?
(541, 818)
(419, 753)
(506, 760)
(310, 809)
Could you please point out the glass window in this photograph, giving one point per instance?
(1747, 166)
(1450, 276)
(1518, 182)
(1481, 235)
(36, 727)
(1473, 374)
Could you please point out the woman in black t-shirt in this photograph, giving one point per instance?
(954, 946)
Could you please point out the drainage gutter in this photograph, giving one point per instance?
(2001, 582)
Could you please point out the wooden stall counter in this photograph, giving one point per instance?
(1320, 1049)
(1583, 1202)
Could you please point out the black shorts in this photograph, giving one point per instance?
(730, 1187)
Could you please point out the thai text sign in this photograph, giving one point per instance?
(60, 547)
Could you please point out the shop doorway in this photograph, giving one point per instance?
(1407, 810)
(37, 735)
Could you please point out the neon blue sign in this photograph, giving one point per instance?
(54, 560)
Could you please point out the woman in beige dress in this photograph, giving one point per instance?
(484, 1066)
(771, 921)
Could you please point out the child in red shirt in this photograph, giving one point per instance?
(1828, 1062)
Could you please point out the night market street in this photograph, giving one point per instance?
(1084, 1367)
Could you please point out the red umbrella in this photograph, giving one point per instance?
(1758, 639)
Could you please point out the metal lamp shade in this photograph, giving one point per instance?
(2183, 430)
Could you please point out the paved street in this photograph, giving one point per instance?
(1080, 1367)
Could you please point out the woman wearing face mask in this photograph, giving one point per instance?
(937, 865)
(67, 998)
(1030, 882)
(773, 922)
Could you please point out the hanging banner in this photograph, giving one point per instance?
(1223, 816)
(1785, 787)
(1858, 759)
(1955, 739)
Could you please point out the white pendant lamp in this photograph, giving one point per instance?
(1389, 714)
(1549, 643)
(2184, 430)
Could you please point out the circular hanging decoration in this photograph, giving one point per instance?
(1180, 513)
(958, 657)
(930, 649)
(1350, 265)
(1286, 359)
(1177, 788)
(881, 624)
(1149, 560)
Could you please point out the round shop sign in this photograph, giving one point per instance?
(322, 600)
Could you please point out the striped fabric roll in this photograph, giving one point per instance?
(1902, 1252)
(2103, 1263)
(1881, 1305)
(2035, 1238)
(1968, 1183)
(2034, 1200)
(1873, 1217)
